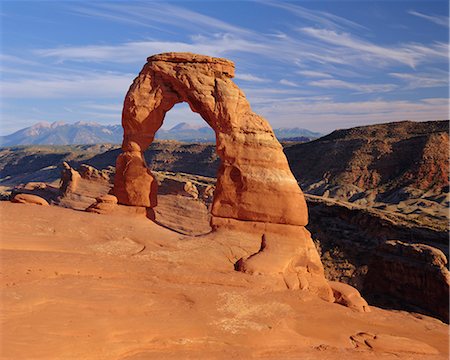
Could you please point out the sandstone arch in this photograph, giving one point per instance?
(254, 182)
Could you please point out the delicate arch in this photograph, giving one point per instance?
(254, 182)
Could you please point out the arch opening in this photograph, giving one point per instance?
(183, 160)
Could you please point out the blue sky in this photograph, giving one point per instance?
(319, 65)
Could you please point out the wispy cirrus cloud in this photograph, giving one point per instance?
(158, 13)
(314, 74)
(137, 51)
(424, 80)
(326, 115)
(365, 51)
(332, 43)
(361, 88)
(87, 85)
(251, 78)
(288, 83)
(437, 19)
(317, 17)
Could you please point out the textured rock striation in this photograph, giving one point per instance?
(254, 181)
(413, 273)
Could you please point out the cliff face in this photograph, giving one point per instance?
(415, 275)
(379, 163)
(356, 247)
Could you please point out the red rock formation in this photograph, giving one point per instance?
(254, 181)
(70, 179)
(382, 162)
(29, 199)
(412, 273)
(91, 173)
(348, 296)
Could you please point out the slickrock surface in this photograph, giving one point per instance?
(78, 285)
(183, 214)
(255, 190)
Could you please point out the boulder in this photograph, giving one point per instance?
(107, 198)
(29, 199)
(348, 296)
(91, 173)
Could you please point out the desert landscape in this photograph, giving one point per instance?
(161, 249)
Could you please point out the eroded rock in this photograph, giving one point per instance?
(254, 182)
(389, 343)
(29, 199)
(416, 273)
(91, 173)
(348, 296)
(70, 179)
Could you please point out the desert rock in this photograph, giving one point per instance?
(91, 173)
(348, 296)
(390, 162)
(414, 273)
(29, 199)
(70, 179)
(254, 181)
(389, 343)
(85, 286)
(107, 198)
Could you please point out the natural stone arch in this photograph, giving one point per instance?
(255, 190)
(254, 181)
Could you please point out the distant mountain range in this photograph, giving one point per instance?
(60, 133)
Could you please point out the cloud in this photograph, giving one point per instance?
(416, 81)
(318, 47)
(148, 14)
(114, 107)
(288, 83)
(323, 115)
(99, 85)
(315, 16)
(362, 88)
(251, 78)
(437, 19)
(137, 51)
(315, 74)
(365, 51)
